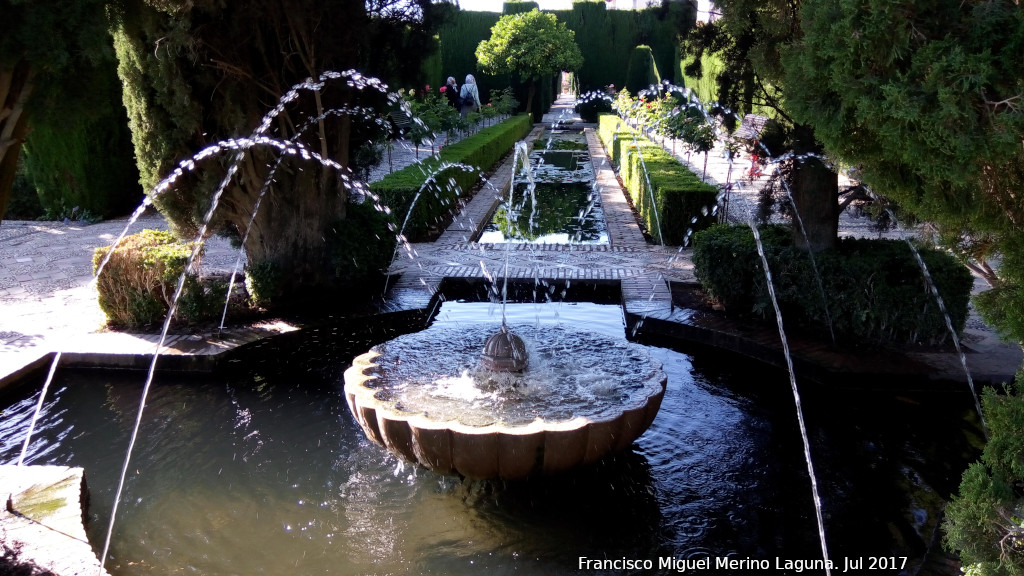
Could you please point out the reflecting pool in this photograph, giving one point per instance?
(264, 471)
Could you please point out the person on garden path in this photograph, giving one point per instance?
(470, 96)
(451, 91)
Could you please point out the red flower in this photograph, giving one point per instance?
(443, 88)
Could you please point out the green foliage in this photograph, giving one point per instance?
(361, 246)
(459, 39)
(439, 185)
(529, 45)
(727, 264)
(518, 7)
(137, 285)
(642, 71)
(930, 112)
(984, 522)
(24, 203)
(608, 35)
(1002, 305)
(82, 161)
(264, 283)
(607, 38)
(707, 69)
(45, 50)
(876, 290)
(681, 202)
(196, 73)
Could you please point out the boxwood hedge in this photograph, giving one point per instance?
(875, 288)
(440, 181)
(680, 204)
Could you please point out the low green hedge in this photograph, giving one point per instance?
(876, 290)
(137, 284)
(681, 200)
(480, 151)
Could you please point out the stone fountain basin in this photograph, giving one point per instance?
(495, 450)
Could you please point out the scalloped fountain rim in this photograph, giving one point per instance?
(495, 450)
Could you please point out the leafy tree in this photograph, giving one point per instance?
(199, 72)
(748, 39)
(39, 43)
(926, 99)
(530, 45)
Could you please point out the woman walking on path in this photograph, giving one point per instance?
(470, 96)
(451, 91)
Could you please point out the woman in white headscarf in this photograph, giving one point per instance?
(469, 95)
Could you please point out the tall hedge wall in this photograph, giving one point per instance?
(79, 154)
(606, 38)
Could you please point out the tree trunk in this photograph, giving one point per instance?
(815, 190)
(288, 231)
(16, 84)
(531, 90)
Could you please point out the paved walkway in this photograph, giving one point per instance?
(48, 301)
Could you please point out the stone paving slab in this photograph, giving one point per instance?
(43, 518)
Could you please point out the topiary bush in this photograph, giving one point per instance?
(876, 291)
(137, 284)
(643, 71)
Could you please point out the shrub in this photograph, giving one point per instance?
(875, 288)
(263, 283)
(137, 284)
(592, 104)
(982, 521)
(671, 200)
(361, 246)
(439, 181)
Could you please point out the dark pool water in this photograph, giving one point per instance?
(265, 472)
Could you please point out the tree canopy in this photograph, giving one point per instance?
(530, 45)
(926, 101)
(748, 38)
(199, 72)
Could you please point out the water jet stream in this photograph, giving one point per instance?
(796, 400)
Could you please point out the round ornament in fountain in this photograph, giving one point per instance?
(504, 352)
(428, 398)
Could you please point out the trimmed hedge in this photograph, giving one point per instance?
(682, 201)
(481, 151)
(875, 287)
(138, 283)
